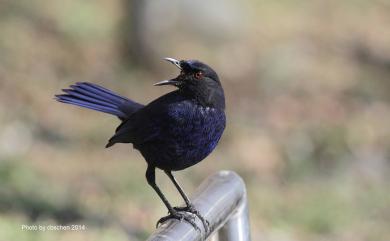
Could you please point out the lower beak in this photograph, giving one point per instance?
(167, 82)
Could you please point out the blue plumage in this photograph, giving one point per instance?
(95, 97)
(179, 132)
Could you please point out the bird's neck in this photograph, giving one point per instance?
(207, 97)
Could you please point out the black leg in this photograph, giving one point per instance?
(151, 178)
(184, 196)
(189, 207)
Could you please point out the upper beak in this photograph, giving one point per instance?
(167, 82)
(174, 61)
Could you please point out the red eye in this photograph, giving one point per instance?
(198, 75)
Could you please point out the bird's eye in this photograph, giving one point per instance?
(198, 75)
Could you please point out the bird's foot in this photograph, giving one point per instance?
(179, 216)
(191, 209)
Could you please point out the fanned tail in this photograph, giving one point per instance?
(95, 97)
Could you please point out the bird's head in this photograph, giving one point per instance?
(197, 80)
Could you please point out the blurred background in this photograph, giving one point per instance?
(308, 105)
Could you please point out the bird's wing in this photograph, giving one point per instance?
(148, 122)
(137, 129)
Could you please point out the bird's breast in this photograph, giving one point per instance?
(192, 133)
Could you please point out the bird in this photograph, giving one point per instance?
(173, 132)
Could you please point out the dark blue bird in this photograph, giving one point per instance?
(173, 132)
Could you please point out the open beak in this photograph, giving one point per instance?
(171, 81)
(174, 61)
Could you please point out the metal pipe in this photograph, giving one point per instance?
(237, 226)
(221, 199)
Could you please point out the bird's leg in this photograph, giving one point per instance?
(151, 178)
(184, 196)
(189, 207)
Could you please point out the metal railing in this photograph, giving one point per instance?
(222, 200)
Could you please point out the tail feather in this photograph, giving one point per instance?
(98, 98)
(79, 102)
(85, 91)
(87, 97)
(100, 91)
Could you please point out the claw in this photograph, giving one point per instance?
(191, 209)
(179, 216)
